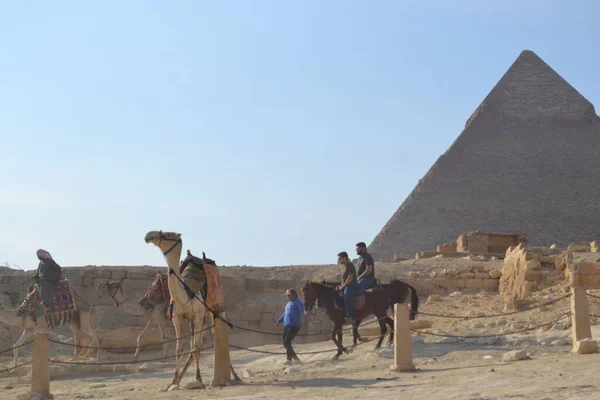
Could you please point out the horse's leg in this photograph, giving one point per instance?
(27, 333)
(382, 329)
(139, 338)
(390, 323)
(355, 334)
(337, 331)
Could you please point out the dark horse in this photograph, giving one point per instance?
(398, 292)
(375, 302)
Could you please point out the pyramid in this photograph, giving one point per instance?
(527, 161)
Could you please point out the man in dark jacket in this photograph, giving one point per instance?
(47, 276)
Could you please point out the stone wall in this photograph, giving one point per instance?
(250, 303)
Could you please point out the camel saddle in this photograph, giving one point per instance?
(204, 277)
(61, 311)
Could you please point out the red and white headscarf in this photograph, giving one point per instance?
(43, 254)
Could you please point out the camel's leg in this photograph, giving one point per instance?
(233, 374)
(139, 338)
(162, 338)
(178, 324)
(25, 336)
(76, 340)
(86, 321)
(197, 344)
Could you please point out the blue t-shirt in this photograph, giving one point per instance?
(292, 314)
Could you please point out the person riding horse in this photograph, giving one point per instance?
(348, 285)
(366, 267)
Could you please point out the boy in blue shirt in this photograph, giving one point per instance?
(291, 323)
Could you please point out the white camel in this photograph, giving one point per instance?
(82, 323)
(157, 314)
(185, 308)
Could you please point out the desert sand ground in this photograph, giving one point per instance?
(447, 368)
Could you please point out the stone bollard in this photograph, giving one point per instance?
(580, 326)
(222, 361)
(40, 376)
(403, 355)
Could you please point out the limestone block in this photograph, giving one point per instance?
(594, 247)
(534, 276)
(267, 320)
(254, 285)
(88, 278)
(495, 274)
(474, 283)
(252, 312)
(462, 243)
(530, 286)
(446, 247)
(533, 265)
(130, 285)
(478, 242)
(579, 248)
(143, 275)
(284, 284)
(482, 276)
(586, 346)
(104, 273)
(233, 284)
(515, 355)
(491, 284)
(467, 275)
(270, 285)
(118, 275)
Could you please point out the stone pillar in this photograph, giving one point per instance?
(403, 356)
(40, 377)
(222, 361)
(581, 328)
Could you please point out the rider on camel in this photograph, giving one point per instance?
(349, 285)
(366, 267)
(47, 277)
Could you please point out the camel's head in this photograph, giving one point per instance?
(166, 241)
(157, 237)
(109, 286)
(114, 290)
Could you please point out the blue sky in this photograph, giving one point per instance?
(266, 132)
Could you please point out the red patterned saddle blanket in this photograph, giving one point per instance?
(61, 310)
(158, 291)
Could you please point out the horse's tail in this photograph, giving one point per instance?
(414, 302)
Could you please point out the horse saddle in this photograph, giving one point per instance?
(359, 301)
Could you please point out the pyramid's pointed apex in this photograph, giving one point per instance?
(532, 89)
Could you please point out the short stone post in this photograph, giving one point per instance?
(40, 376)
(403, 356)
(580, 319)
(222, 361)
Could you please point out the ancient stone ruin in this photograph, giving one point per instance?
(526, 161)
(476, 243)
